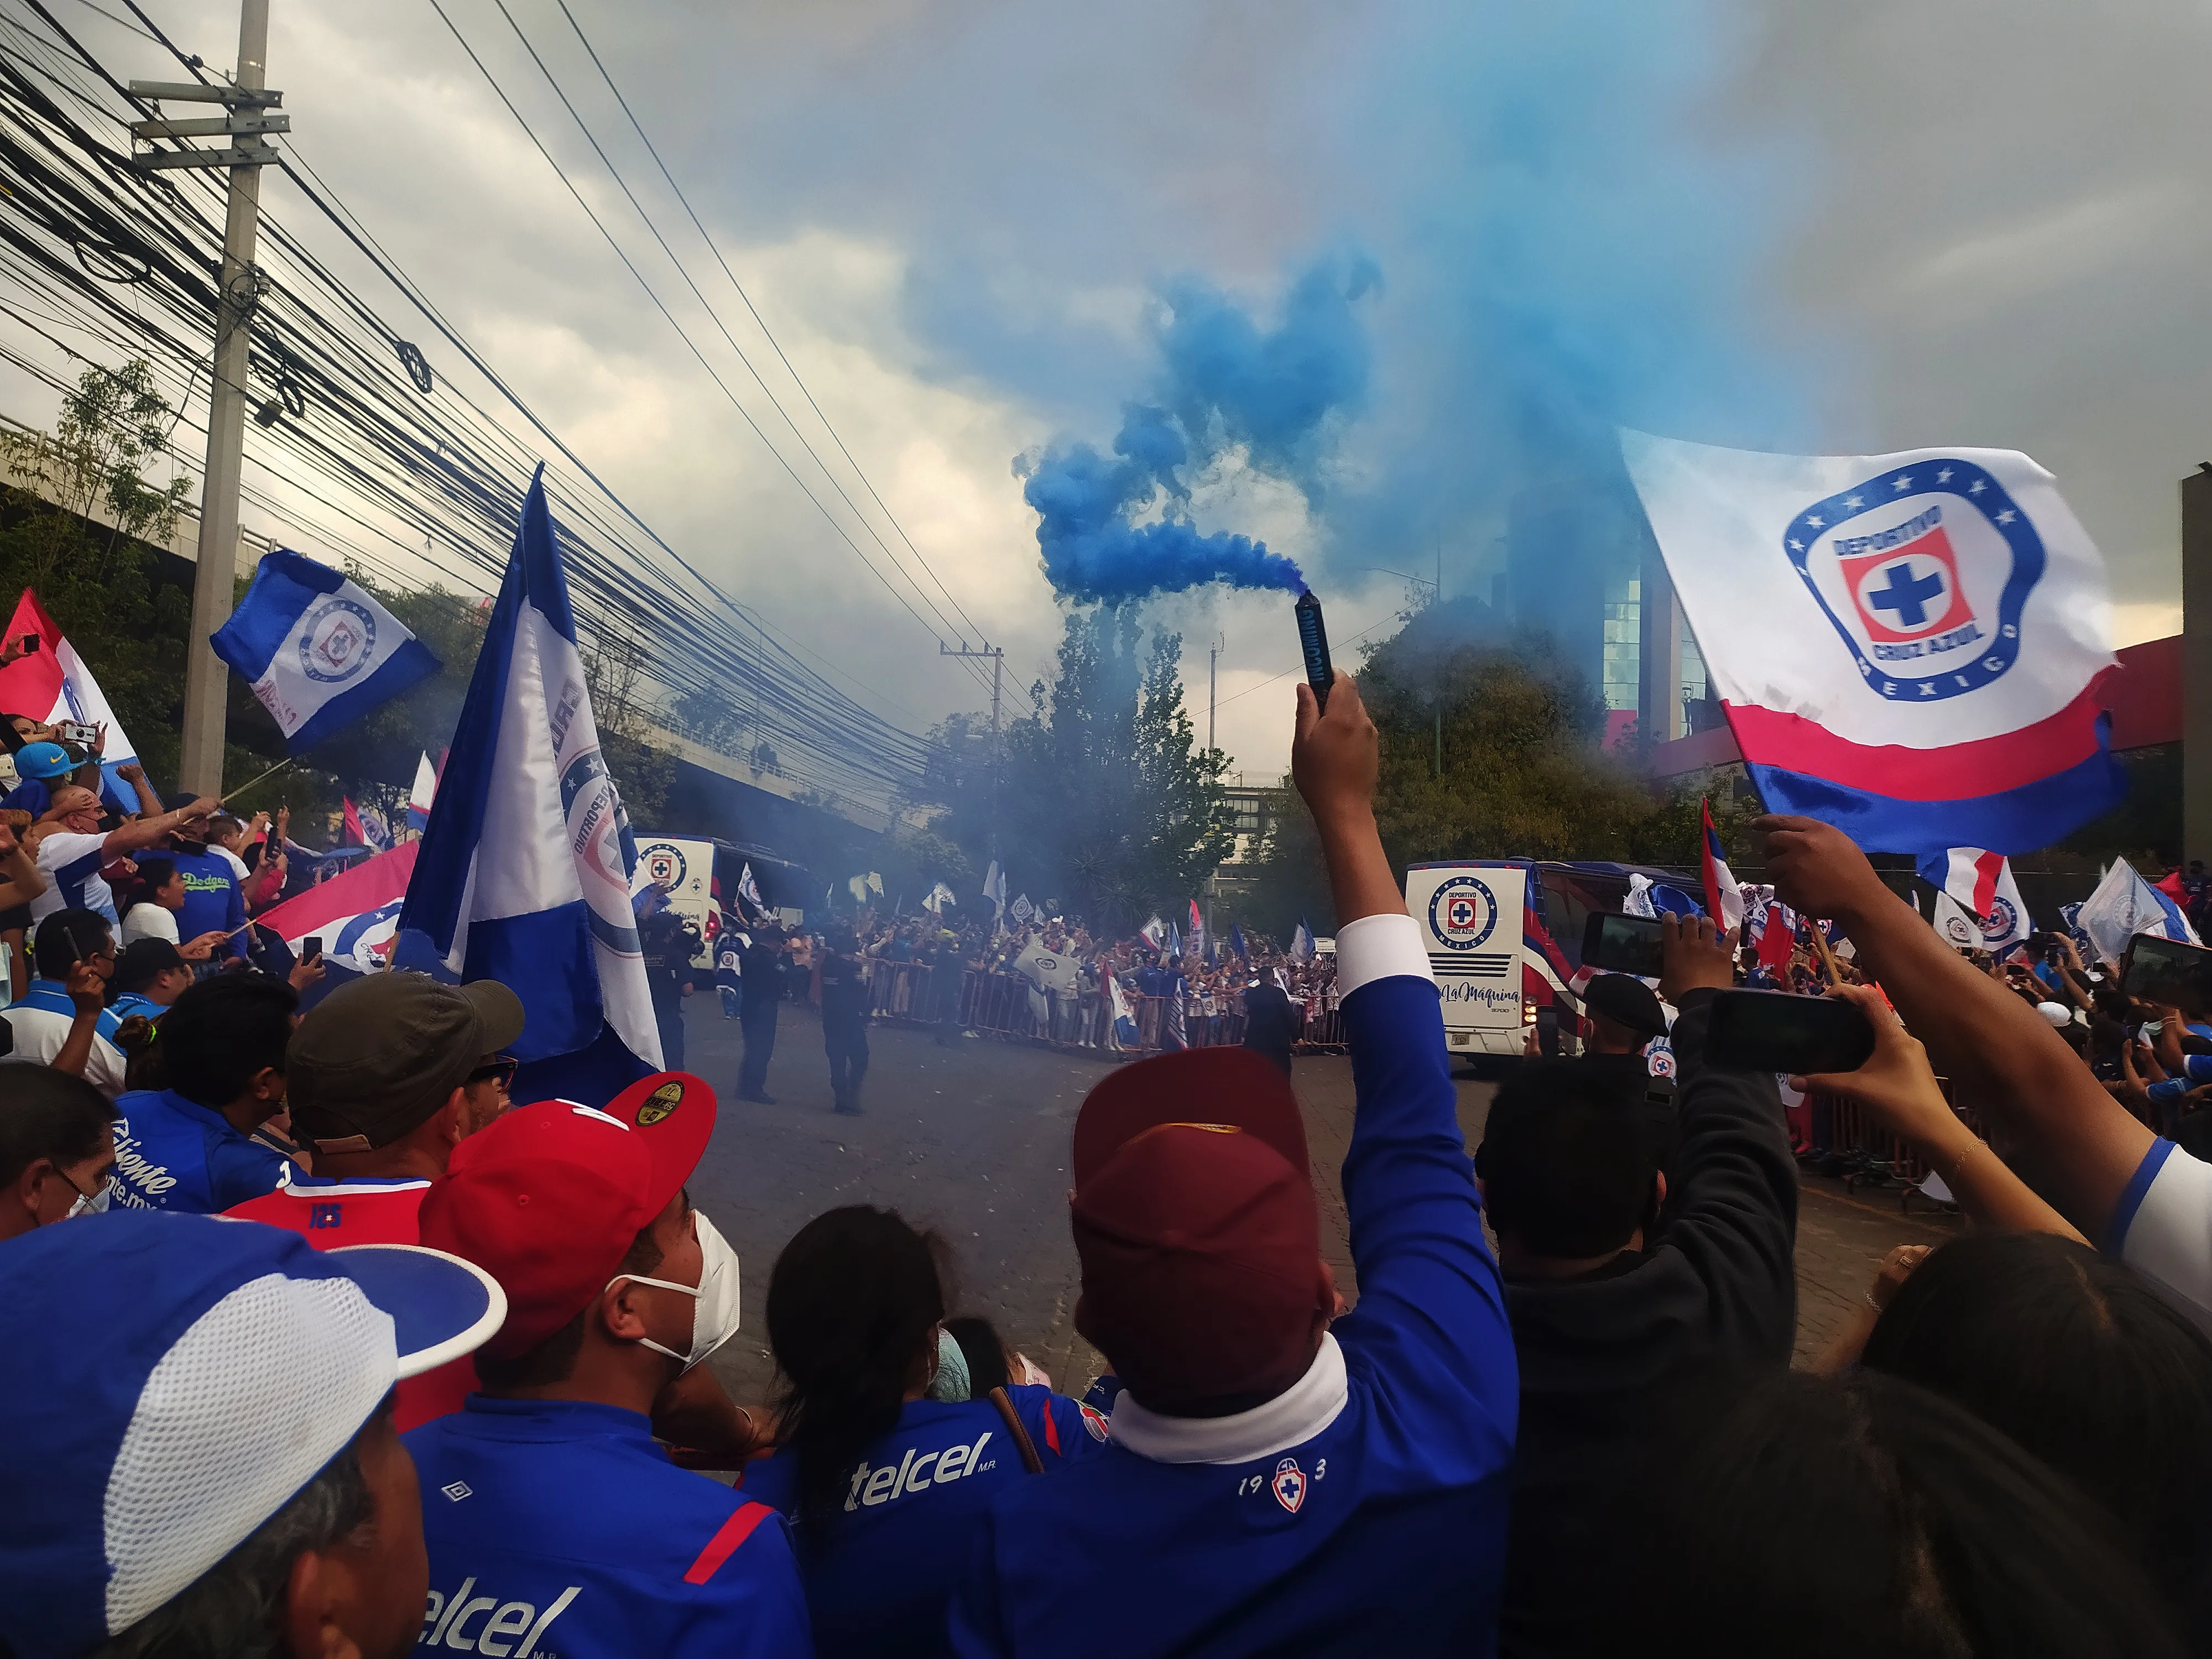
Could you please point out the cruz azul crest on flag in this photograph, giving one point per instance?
(1912, 647)
(1923, 571)
(336, 638)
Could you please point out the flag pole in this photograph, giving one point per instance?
(264, 778)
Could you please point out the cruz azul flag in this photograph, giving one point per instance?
(1980, 883)
(1724, 898)
(2124, 905)
(1911, 647)
(354, 914)
(317, 650)
(52, 684)
(1124, 1017)
(419, 797)
(1199, 942)
(749, 891)
(523, 875)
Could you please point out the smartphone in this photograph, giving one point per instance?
(1777, 1031)
(1313, 641)
(312, 945)
(31, 642)
(1622, 945)
(2163, 970)
(72, 732)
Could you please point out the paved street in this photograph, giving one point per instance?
(973, 1142)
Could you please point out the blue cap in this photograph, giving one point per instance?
(177, 1379)
(43, 759)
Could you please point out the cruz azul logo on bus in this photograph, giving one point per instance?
(1463, 914)
(665, 866)
(1923, 570)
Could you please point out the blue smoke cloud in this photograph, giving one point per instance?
(1279, 396)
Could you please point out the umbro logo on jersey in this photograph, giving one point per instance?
(872, 1487)
(486, 1625)
(458, 1491)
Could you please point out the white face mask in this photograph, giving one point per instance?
(715, 1310)
(92, 1203)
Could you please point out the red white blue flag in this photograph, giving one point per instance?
(1723, 898)
(1911, 647)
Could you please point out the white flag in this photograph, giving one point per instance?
(2124, 905)
(1908, 646)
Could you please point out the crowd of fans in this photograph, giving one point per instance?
(437, 1379)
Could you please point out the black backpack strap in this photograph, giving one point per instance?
(1004, 1402)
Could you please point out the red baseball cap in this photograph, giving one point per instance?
(548, 1198)
(1194, 1219)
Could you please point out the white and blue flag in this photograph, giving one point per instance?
(524, 874)
(317, 650)
(2124, 905)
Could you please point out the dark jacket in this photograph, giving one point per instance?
(1715, 1285)
(1271, 1024)
(761, 979)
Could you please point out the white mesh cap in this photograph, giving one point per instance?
(263, 1390)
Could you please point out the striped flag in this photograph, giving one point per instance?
(524, 874)
(1723, 898)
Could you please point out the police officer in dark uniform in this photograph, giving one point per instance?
(668, 940)
(948, 965)
(762, 984)
(844, 1021)
(1271, 1022)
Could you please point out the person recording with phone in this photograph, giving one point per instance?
(2133, 1193)
(63, 1020)
(1613, 1299)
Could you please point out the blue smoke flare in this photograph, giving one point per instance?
(1279, 395)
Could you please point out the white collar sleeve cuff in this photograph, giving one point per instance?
(1383, 946)
(1291, 1419)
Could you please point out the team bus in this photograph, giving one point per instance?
(1505, 936)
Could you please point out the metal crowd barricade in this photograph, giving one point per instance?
(1871, 1155)
(1000, 1004)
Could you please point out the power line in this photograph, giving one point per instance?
(660, 306)
(413, 467)
(766, 333)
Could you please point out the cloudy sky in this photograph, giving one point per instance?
(1859, 228)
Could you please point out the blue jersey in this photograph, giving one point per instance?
(213, 902)
(172, 1153)
(558, 1527)
(1364, 1512)
(880, 1566)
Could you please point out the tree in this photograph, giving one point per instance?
(1103, 799)
(1521, 774)
(100, 583)
(130, 618)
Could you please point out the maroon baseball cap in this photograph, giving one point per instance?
(1194, 1219)
(548, 1198)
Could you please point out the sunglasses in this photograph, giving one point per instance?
(501, 1067)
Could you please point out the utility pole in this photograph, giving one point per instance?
(250, 114)
(1439, 699)
(1213, 664)
(998, 656)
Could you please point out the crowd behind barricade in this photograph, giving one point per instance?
(929, 970)
(437, 1379)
